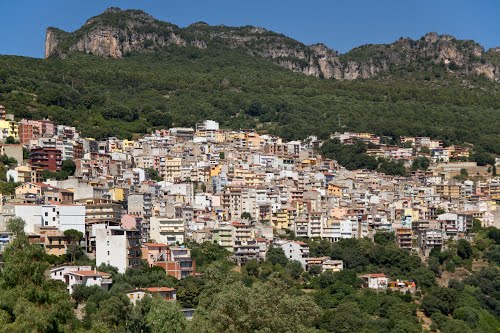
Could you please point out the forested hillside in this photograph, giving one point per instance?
(179, 86)
(274, 295)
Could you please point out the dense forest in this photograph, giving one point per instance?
(275, 295)
(179, 86)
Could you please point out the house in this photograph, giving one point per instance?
(177, 262)
(331, 265)
(245, 250)
(167, 230)
(375, 281)
(46, 158)
(62, 217)
(326, 264)
(166, 293)
(153, 252)
(88, 279)
(51, 239)
(117, 247)
(58, 273)
(294, 251)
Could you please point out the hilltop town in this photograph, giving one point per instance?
(144, 198)
(101, 209)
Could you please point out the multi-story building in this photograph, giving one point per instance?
(99, 212)
(173, 169)
(46, 158)
(167, 230)
(87, 279)
(294, 250)
(62, 217)
(404, 238)
(429, 239)
(117, 247)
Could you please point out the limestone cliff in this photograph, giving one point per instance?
(116, 33)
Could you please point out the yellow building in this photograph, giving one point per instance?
(128, 143)
(253, 140)
(220, 136)
(448, 191)
(9, 128)
(335, 190)
(117, 194)
(215, 170)
(280, 219)
(173, 169)
(30, 188)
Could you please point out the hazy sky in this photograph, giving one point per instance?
(341, 25)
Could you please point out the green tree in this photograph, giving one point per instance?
(246, 215)
(165, 316)
(425, 150)
(384, 237)
(464, 249)
(252, 268)
(69, 166)
(420, 163)
(188, 291)
(74, 237)
(207, 253)
(348, 317)
(440, 299)
(154, 175)
(464, 175)
(276, 256)
(294, 269)
(262, 307)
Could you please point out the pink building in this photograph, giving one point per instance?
(34, 129)
(129, 222)
(153, 252)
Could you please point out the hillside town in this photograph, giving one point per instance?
(147, 199)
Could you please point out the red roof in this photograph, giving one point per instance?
(375, 275)
(89, 273)
(159, 289)
(155, 245)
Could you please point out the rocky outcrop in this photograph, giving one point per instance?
(51, 43)
(118, 32)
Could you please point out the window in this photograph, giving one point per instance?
(108, 253)
(46, 213)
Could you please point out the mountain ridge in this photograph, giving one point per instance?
(117, 33)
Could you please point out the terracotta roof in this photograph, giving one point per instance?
(155, 244)
(89, 273)
(375, 275)
(158, 289)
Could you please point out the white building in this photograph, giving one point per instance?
(62, 217)
(167, 230)
(59, 273)
(375, 281)
(117, 247)
(294, 250)
(87, 279)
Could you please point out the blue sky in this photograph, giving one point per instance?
(341, 25)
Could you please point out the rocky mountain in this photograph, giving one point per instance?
(116, 32)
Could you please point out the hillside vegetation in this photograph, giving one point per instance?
(179, 86)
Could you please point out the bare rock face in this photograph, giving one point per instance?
(117, 32)
(51, 43)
